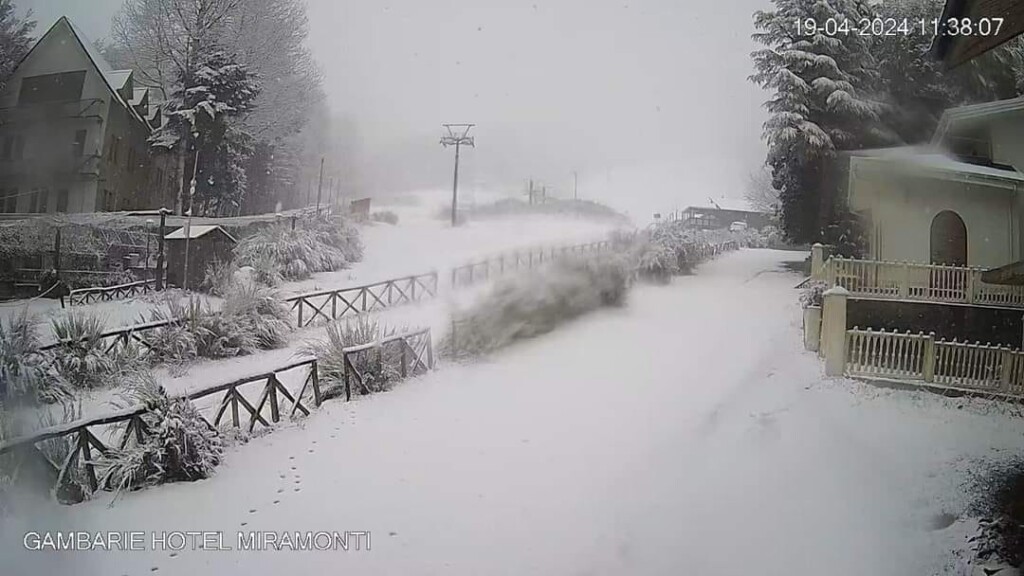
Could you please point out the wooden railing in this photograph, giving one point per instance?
(494, 266)
(81, 438)
(924, 282)
(109, 293)
(920, 357)
(121, 338)
(402, 355)
(334, 304)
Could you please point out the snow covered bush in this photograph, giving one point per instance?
(320, 244)
(25, 375)
(330, 355)
(813, 294)
(260, 312)
(81, 357)
(178, 446)
(536, 303)
(386, 216)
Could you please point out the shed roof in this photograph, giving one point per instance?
(937, 163)
(196, 231)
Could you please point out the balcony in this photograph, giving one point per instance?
(917, 282)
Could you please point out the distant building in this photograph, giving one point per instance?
(73, 133)
(723, 214)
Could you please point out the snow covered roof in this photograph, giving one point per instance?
(118, 78)
(973, 112)
(137, 95)
(936, 163)
(734, 204)
(195, 231)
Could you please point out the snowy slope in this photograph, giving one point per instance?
(687, 433)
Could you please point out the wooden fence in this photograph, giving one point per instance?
(333, 304)
(483, 270)
(81, 438)
(399, 355)
(924, 282)
(82, 444)
(120, 338)
(109, 293)
(920, 357)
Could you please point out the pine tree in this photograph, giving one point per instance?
(821, 102)
(15, 39)
(201, 116)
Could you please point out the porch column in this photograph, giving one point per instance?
(833, 330)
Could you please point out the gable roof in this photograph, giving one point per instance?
(113, 79)
(196, 231)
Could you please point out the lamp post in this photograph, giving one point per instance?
(188, 222)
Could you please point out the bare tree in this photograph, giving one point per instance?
(760, 194)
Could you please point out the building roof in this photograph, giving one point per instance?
(934, 162)
(114, 79)
(195, 231)
(731, 204)
(956, 49)
(974, 112)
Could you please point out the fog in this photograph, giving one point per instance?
(648, 100)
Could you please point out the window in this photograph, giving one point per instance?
(78, 147)
(44, 201)
(62, 200)
(62, 87)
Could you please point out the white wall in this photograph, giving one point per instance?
(902, 209)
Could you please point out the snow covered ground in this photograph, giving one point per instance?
(687, 433)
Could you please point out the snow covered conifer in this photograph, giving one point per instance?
(822, 99)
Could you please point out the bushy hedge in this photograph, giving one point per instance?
(319, 244)
(526, 306)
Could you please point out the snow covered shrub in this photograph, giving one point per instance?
(386, 216)
(24, 372)
(174, 343)
(319, 245)
(260, 312)
(81, 359)
(330, 357)
(657, 262)
(178, 446)
(219, 276)
(533, 304)
(813, 294)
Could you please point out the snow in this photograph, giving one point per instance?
(686, 433)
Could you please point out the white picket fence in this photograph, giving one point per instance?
(925, 282)
(920, 357)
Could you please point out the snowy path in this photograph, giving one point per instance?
(687, 433)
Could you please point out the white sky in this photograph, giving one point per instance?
(648, 99)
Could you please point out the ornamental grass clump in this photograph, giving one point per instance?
(320, 244)
(178, 445)
(376, 370)
(26, 374)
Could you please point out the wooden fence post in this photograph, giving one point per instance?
(1006, 377)
(904, 287)
(833, 335)
(929, 358)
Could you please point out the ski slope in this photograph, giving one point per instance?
(686, 433)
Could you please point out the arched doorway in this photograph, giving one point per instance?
(948, 239)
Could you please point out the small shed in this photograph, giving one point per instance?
(206, 245)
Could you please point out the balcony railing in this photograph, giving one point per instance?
(921, 282)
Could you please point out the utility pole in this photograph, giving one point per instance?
(531, 192)
(575, 181)
(320, 186)
(309, 187)
(188, 222)
(453, 138)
